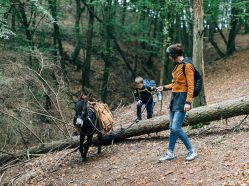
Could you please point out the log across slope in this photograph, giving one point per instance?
(227, 109)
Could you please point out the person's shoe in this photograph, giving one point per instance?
(137, 120)
(191, 156)
(167, 156)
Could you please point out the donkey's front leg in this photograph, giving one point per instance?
(81, 149)
(99, 142)
(87, 144)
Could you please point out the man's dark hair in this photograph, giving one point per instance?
(175, 50)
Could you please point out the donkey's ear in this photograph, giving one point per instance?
(89, 96)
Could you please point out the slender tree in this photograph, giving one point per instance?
(198, 46)
(235, 26)
(56, 33)
(247, 17)
(107, 56)
(78, 36)
(124, 9)
(87, 65)
(19, 7)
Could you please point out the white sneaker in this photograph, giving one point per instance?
(167, 156)
(191, 156)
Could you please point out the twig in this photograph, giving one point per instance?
(41, 114)
(21, 163)
(56, 166)
(7, 153)
(204, 130)
(53, 118)
(7, 114)
(238, 126)
(2, 177)
(28, 154)
(5, 142)
(8, 164)
(119, 105)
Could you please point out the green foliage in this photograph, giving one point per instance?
(219, 140)
(196, 126)
(5, 32)
(41, 9)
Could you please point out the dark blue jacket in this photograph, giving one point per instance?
(144, 94)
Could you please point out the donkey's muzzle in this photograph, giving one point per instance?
(79, 122)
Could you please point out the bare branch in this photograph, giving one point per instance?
(20, 121)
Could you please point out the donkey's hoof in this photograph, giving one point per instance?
(82, 160)
(100, 151)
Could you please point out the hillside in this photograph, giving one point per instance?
(223, 149)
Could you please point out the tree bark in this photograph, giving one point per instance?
(107, 56)
(235, 26)
(123, 57)
(247, 18)
(124, 8)
(86, 70)
(204, 114)
(212, 40)
(22, 16)
(78, 46)
(57, 36)
(198, 47)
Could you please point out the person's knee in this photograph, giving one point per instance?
(175, 127)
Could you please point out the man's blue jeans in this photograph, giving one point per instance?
(149, 108)
(176, 131)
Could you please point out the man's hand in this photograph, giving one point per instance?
(139, 102)
(159, 89)
(187, 107)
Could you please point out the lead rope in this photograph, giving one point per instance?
(121, 129)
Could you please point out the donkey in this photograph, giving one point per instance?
(86, 122)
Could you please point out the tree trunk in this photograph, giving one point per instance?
(167, 39)
(198, 47)
(204, 114)
(21, 14)
(212, 41)
(123, 57)
(78, 46)
(13, 21)
(57, 37)
(247, 18)
(107, 56)
(235, 25)
(87, 66)
(124, 9)
(221, 34)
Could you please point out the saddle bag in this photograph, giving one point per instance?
(103, 115)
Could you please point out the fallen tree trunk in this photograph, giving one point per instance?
(203, 114)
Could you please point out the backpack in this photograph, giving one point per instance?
(103, 115)
(149, 83)
(197, 77)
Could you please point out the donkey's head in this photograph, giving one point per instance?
(81, 111)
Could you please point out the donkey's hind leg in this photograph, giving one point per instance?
(99, 142)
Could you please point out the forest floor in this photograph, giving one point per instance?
(223, 148)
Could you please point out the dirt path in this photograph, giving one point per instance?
(223, 160)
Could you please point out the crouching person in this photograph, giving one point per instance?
(143, 96)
